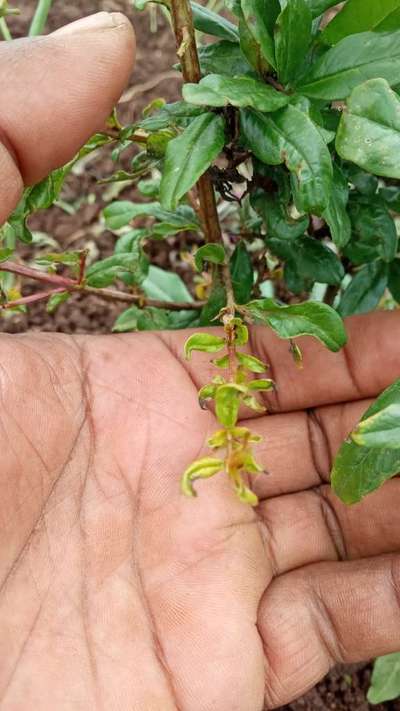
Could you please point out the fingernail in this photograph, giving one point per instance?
(93, 23)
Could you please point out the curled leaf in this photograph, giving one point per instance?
(227, 401)
(265, 384)
(200, 469)
(255, 365)
(205, 342)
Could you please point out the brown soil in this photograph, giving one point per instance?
(345, 688)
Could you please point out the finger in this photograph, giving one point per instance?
(327, 613)
(367, 365)
(314, 526)
(56, 91)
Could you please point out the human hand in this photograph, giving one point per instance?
(117, 592)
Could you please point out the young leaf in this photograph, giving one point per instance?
(5, 253)
(219, 90)
(259, 17)
(227, 401)
(380, 426)
(255, 365)
(369, 131)
(122, 212)
(205, 342)
(292, 39)
(200, 469)
(290, 136)
(362, 15)
(56, 300)
(264, 385)
(365, 290)
(242, 273)
(189, 156)
(211, 23)
(241, 332)
(214, 253)
(336, 215)
(385, 681)
(132, 267)
(354, 59)
(308, 319)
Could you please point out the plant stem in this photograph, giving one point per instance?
(182, 21)
(40, 17)
(32, 298)
(66, 284)
(4, 30)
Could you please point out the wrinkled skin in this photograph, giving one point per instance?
(117, 592)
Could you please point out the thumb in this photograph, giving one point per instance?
(56, 91)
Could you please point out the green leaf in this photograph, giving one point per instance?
(242, 273)
(365, 290)
(5, 253)
(189, 156)
(292, 39)
(56, 300)
(122, 212)
(394, 279)
(278, 223)
(205, 342)
(290, 136)
(200, 469)
(131, 266)
(214, 253)
(211, 23)
(354, 59)
(307, 319)
(261, 385)
(380, 426)
(227, 401)
(336, 215)
(369, 130)
(362, 15)
(127, 320)
(219, 90)
(385, 681)
(255, 365)
(391, 196)
(374, 231)
(223, 58)
(166, 286)
(358, 471)
(312, 259)
(147, 319)
(259, 16)
(216, 301)
(317, 7)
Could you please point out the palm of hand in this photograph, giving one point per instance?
(119, 593)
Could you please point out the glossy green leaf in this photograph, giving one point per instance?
(380, 426)
(394, 279)
(258, 16)
(290, 136)
(132, 266)
(277, 221)
(227, 401)
(189, 156)
(166, 286)
(223, 58)
(336, 215)
(312, 259)
(358, 471)
(211, 23)
(374, 232)
(200, 469)
(205, 342)
(255, 365)
(362, 15)
(365, 290)
(292, 39)
(219, 90)
(385, 681)
(214, 253)
(307, 319)
(369, 131)
(242, 273)
(353, 60)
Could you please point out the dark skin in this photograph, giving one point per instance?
(117, 592)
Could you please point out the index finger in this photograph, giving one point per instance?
(363, 368)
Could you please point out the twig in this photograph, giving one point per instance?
(40, 17)
(134, 91)
(182, 21)
(73, 286)
(32, 298)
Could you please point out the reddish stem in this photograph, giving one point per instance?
(40, 296)
(37, 275)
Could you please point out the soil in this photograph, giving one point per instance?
(344, 689)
